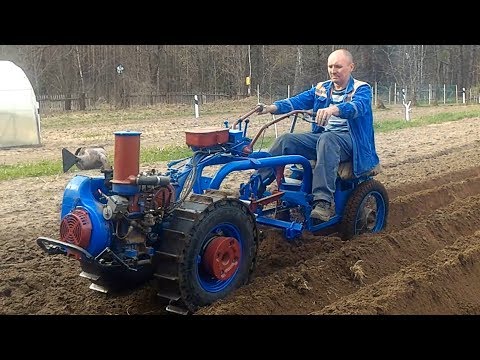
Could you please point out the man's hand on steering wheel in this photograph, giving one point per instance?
(266, 109)
(324, 114)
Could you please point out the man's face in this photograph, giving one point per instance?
(339, 69)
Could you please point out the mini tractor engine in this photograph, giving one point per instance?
(193, 241)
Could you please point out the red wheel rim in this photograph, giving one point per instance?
(222, 257)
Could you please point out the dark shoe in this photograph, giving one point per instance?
(323, 211)
(261, 191)
(296, 173)
(262, 188)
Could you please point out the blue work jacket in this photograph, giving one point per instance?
(356, 108)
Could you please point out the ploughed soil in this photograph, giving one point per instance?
(427, 261)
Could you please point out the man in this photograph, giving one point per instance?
(343, 130)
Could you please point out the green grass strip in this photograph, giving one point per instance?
(152, 154)
(22, 170)
(391, 125)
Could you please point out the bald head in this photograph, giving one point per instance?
(340, 67)
(341, 53)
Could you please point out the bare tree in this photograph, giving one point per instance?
(164, 69)
(297, 82)
(82, 82)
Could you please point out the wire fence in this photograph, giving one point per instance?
(391, 94)
(87, 102)
(424, 95)
(394, 94)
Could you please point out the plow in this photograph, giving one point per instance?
(179, 231)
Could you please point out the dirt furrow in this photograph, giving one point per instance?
(446, 282)
(425, 262)
(316, 281)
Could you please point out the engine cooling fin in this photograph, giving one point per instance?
(76, 228)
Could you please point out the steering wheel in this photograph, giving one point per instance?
(307, 116)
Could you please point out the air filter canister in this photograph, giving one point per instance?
(127, 156)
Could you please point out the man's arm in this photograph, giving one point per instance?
(268, 109)
(361, 103)
(302, 101)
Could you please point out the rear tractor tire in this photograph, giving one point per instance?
(218, 251)
(366, 210)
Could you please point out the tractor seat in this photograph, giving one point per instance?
(345, 171)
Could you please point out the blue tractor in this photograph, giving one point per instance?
(179, 229)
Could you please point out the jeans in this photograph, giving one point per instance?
(328, 148)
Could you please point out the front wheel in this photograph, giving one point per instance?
(366, 210)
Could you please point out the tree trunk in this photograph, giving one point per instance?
(297, 83)
(81, 104)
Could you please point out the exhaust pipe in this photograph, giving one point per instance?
(85, 158)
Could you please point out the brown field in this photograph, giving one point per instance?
(427, 261)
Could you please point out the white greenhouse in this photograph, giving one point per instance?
(19, 110)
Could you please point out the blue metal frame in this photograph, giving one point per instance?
(235, 155)
(232, 158)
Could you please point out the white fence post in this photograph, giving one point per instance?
(456, 94)
(275, 126)
(407, 105)
(196, 107)
(463, 95)
(395, 94)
